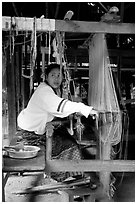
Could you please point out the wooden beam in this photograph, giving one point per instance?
(43, 25)
(91, 165)
(26, 24)
(94, 27)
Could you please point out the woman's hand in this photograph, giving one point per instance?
(94, 113)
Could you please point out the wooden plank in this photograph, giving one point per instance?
(38, 69)
(26, 24)
(25, 165)
(91, 165)
(10, 74)
(105, 175)
(43, 25)
(17, 78)
(3, 185)
(94, 27)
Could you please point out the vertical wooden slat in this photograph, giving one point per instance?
(26, 81)
(38, 70)
(17, 82)
(43, 62)
(49, 133)
(10, 72)
(20, 77)
(18, 69)
(105, 175)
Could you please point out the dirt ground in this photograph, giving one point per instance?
(125, 192)
(17, 183)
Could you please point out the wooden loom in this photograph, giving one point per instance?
(102, 96)
(105, 165)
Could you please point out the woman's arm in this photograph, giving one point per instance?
(60, 107)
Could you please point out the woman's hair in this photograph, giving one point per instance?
(50, 67)
(53, 66)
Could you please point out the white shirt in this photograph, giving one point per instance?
(44, 105)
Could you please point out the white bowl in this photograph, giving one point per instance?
(28, 152)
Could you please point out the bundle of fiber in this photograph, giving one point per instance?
(102, 94)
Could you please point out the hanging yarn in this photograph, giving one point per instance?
(102, 95)
(33, 54)
(59, 55)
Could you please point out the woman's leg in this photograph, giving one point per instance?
(68, 149)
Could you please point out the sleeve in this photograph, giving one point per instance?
(60, 107)
(72, 107)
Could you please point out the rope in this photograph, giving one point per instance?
(32, 56)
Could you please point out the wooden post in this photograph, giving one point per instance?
(10, 72)
(48, 156)
(105, 175)
(43, 63)
(26, 81)
(38, 70)
(3, 189)
(49, 133)
(97, 97)
(18, 78)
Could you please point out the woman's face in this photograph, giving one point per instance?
(54, 78)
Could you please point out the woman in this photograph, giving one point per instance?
(45, 105)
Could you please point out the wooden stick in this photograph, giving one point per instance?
(56, 186)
